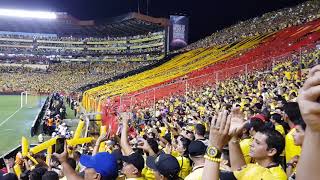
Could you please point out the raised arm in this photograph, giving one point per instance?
(66, 168)
(237, 123)
(309, 104)
(218, 138)
(124, 143)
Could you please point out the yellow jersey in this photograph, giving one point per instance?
(148, 174)
(245, 148)
(291, 149)
(257, 172)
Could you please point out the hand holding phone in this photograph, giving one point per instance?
(59, 148)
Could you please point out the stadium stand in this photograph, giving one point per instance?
(240, 108)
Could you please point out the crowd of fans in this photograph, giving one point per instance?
(61, 77)
(267, 23)
(257, 126)
(40, 47)
(249, 127)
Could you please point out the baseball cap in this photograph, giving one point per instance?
(135, 159)
(103, 163)
(165, 164)
(260, 116)
(197, 148)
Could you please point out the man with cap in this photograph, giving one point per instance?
(165, 166)
(101, 166)
(197, 150)
(133, 162)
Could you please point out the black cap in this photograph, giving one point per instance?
(197, 148)
(165, 164)
(135, 159)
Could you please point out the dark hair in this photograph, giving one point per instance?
(185, 144)
(50, 175)
(300, 122)
(72, 163)
(292, 110)
(154, 145)
(277, 118)
(257, 124)
(37, 173)
(200, 129)
(274, 140)
(9, 176)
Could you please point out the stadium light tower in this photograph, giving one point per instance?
(27, 14)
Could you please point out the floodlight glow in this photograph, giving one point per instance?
(27, 14)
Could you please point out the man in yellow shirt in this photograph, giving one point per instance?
(292, 113)
(266, 148)
(197, 150)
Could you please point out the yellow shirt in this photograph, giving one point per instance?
(287, 74)
(201, 110)
(196, 174)
(291, 149)
(185, 166)
(139, 178)
(163, 131)
(245, 148)
(257, 172)
(280, 129)
(148, 173)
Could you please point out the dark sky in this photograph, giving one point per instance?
(206, 16)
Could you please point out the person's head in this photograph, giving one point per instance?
(200, 130)
(276, 118)
(197, 150)
(165, 166)
(100, 166)
(291, 112)
(9, 176)
(154, 145)
(267, 143)
(182, 146)
(50, 175)
(133, 165)
(255, 125)
(37, 173)
(298, 135)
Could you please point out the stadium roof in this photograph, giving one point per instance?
(65, 25)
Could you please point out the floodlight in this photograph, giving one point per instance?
(27, 14)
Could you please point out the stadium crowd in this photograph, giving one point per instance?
(249, 127)
(267, 23)
(38, 46)
(263, 125)
(61, 77)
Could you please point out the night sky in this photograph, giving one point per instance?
(206, 16)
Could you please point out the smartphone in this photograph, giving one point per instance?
(59, 148)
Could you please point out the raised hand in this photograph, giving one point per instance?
(237, 121)
(219, 130)
(309, 100)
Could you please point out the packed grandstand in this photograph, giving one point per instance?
(238, 104)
